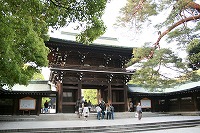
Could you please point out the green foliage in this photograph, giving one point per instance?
(150, 72)
(24, 29)
(135, 12)
(90, 94)
(181, 25)
(38, 76)
(193, 50)
(139, 54)
(184, 35)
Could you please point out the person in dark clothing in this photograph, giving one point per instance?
(103, 108)
(77, 105)
(85, 103)
(112, 111)
(89, 105)
(46, 105)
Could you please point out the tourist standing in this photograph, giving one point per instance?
(139, 111)
(89, 105)
(86, 110)
(98, 109)
(112, 111)
(103, 108)
(108, 110)
(46, 105)
(131, 106)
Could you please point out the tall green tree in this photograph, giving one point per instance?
(180, 25)
(90, 94)
(193, 50)
(37, 76)
(24, 28)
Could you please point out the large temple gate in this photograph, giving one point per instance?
(75, 66)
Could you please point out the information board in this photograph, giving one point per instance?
(145, 103)
(27, 103)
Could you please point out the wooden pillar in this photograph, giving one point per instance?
(98, 96)
(194, 99)
(60, 97)
(153, 109)
(15, 105)
(79, 89)
(179, 103)
(109, 93)
(166, 106)
(125, 98)
(39, 103)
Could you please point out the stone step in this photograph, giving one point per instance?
(72, 116)
(115, 128)
(18, 118)
(92, 116)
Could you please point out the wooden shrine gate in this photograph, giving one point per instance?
(75, 66)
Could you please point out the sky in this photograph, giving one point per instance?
(109, 18)
(125, 36)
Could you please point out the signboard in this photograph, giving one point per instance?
(27, 103)
(146, 103)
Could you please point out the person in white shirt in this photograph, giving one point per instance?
(139, 111)
(98, 109)
(86, 111)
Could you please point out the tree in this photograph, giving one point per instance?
(150, 74)
(24, 29)
(38, 76)
(193, 50)
(90, 94)
(181, 25)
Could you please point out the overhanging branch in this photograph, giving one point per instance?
(174, 26)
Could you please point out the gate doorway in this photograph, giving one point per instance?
(90, 96)
(51, 104)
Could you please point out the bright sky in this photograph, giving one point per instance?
(109, 18)
(125, 36)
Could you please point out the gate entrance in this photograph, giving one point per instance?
(76, 66)
(51, 104)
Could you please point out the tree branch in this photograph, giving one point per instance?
(174, 26)
(138, 7)
(194, 6)
(58, 4)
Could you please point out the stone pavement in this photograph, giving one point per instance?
(176, 130)
(6, 125)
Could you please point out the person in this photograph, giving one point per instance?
(89, 105)
(139, 111)
(46, 105)
(77, 106)
(103, 108)
(98, 109)
(131, 106)
(85, 110)
(112, 111)
(80, 108)
(85, 103)
(108, 110)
